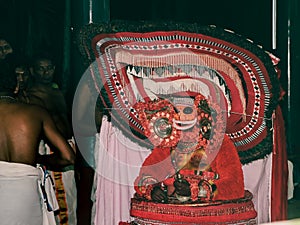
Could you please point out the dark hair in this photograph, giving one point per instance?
(42, 56)
(8, 81)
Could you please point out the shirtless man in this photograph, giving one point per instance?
(22, 126)
(45, 93)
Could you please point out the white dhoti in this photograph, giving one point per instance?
(66, 191)
(26, 195)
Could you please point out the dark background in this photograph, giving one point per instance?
(36, 26)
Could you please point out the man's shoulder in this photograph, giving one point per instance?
(45, 90)
(31, 108)
(23, 111)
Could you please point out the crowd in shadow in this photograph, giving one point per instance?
(35, 85)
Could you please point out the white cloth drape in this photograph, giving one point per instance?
(257, 179)
(118, 163)
(22, 200)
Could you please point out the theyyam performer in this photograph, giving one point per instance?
(134, 66)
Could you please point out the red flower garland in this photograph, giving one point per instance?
(154, 112)
(157, 117)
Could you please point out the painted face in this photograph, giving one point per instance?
(5, 49)
(43, 71)
(187, 116)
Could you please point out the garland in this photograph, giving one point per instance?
(157, 118)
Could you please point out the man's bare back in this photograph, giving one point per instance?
(21, 128)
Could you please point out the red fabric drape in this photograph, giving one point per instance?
(279, 170)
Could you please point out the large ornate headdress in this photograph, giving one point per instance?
(132, 62)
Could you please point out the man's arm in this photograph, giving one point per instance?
(87, 121)
(63, 154)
